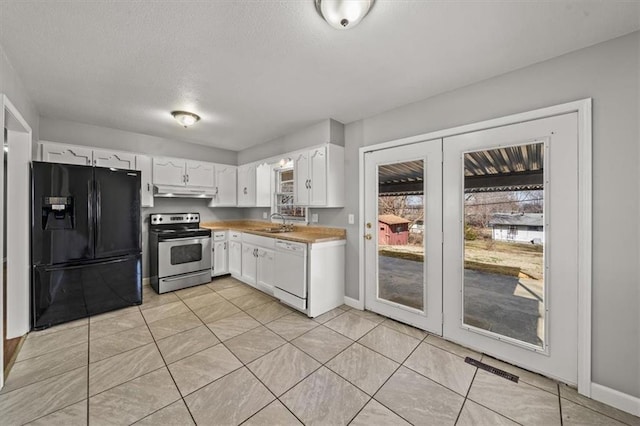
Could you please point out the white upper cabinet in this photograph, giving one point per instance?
(67, 154)
(318, 177)
(199, 174)
(225, 183)
(143, 164)
(247, 185)
(169, 171)
(301, 179)
(180, 172)
(115, 159)
(264, 177)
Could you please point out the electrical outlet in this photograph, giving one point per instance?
(352, 219)
(314, 218)
(265, 215)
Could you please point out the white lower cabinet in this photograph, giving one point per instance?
(219, 254)
(235, 258)
(258, 262)
(265, 276)
(235, 255)
(249, 263)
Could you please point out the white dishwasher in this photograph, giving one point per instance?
(291, 273)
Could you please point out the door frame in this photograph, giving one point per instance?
(18, 290)
(583, 108)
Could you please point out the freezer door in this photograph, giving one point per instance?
(117, 212)
(66, 293)
(61, 213)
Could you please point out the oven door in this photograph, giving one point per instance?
(183, 255)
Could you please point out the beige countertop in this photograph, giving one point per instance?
(301, 234)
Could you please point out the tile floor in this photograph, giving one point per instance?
(225, 354)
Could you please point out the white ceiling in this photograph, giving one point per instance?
(256, 70)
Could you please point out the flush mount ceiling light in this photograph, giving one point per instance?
(185, 118)
(343, 14)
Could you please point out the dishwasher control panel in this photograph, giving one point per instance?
(291, 246)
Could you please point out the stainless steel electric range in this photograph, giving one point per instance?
(180, 251)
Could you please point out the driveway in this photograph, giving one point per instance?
(502, 304)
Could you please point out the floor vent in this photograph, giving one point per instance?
(491, 369)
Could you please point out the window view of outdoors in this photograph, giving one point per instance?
(504, 242)
(504, 237)
(400, 231)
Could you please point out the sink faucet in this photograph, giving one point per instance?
(284, 226)
(284, 221)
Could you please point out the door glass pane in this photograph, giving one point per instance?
(400, 233)
(186, 253)
(504, 241)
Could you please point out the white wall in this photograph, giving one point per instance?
(64, 131)
(609, 73)
(325, 131)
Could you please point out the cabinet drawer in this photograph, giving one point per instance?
(235, 236)
(219, 235)
(258, 240)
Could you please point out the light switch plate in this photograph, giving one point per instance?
(265, 215)
(314, 218)
(352, 219)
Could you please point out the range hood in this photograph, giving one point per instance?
(183, 191)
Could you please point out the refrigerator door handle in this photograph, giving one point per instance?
(98, 213)
(91, 216)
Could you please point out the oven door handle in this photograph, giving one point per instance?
(183, 276)
(194, 239)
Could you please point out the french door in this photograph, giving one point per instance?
(403, 233)
(489, 258)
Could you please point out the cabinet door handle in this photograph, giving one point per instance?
(245, 190)
(309, 183)
(187, 178)
(216, 190)
(225, 245)
(148, 186)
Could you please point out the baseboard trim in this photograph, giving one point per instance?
(146, 281)
(354, 303)
(617, 399)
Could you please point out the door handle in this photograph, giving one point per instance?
(367, 236)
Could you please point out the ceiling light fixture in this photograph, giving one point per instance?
(343, 14)
(185, 118)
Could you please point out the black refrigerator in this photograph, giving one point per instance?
(85, 241)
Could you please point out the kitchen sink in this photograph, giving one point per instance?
(274, 230)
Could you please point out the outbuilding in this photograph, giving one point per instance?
(393, 230)
(518, 227)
